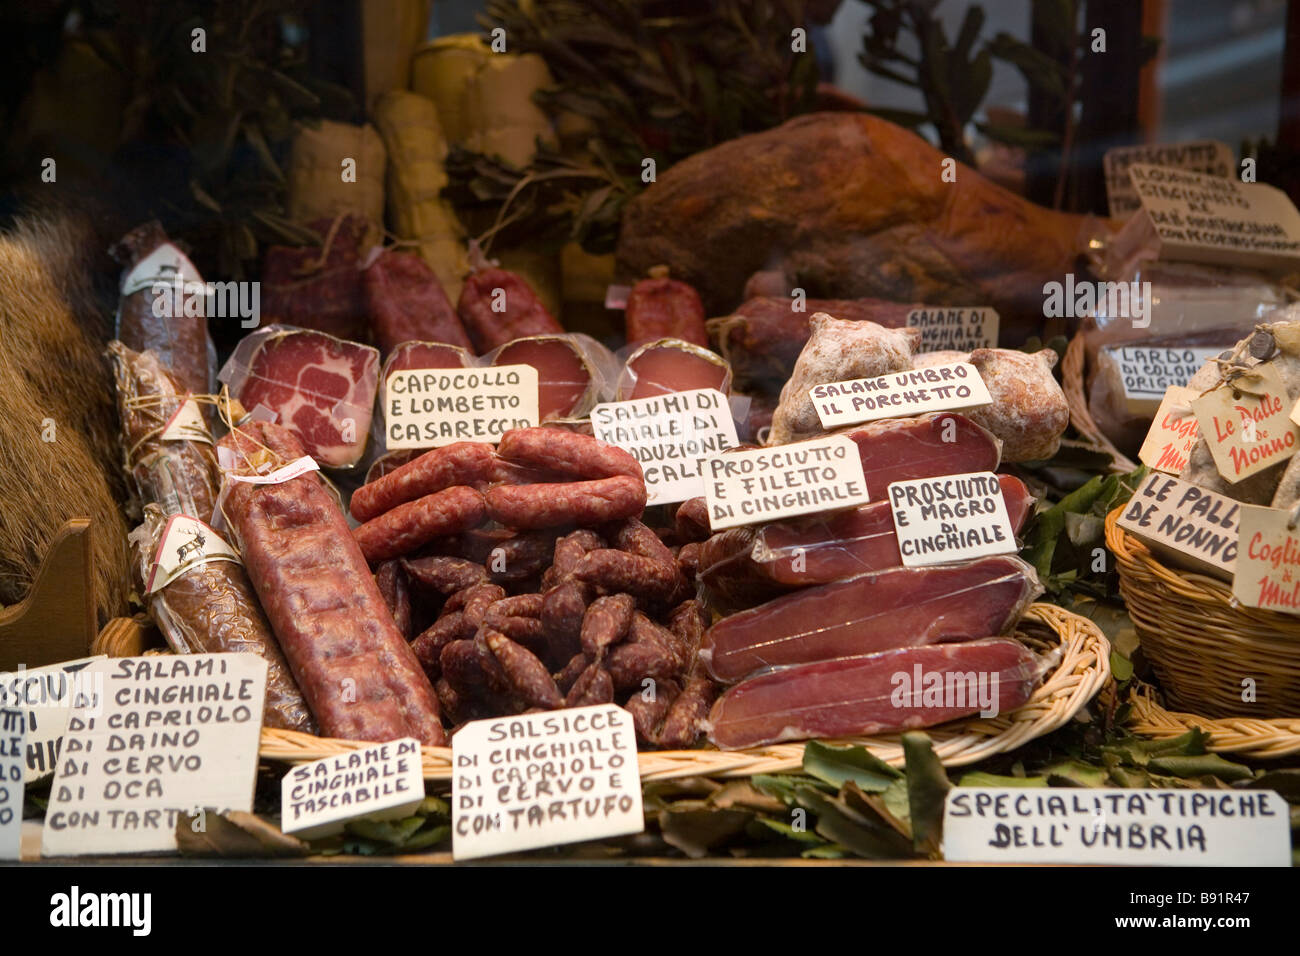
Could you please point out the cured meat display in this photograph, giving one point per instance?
(498, 306)
(671, 365)
(902, 607)
(156, 273)
(939, 443)
(663, 308)
(863, 695)
(319, 387)
(318, 287)
(406, 303)
(571, 371)
(360, 678)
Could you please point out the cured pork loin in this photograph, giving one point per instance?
(902, 689)
(319, 387)
(359, 676)
(927, 446)
(902, 607)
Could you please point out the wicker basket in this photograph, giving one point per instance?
(1084, 668)
(1201, 643)
(1242, 736)
(1072, 383)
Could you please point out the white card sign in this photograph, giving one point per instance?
(961, 330)
(13, 761)
(379, 782)
(171, 735)
(821, 474)
(1112, 826)
(1174, 430)
(1146, 373)
(1247, 424)
(670, 435)
(429, 408)
(1268, 560)
(1189, 525)
(48, 695)
(544, 779)
(952, 518)
(899, 394)
(1218, 220)
(1207, 156)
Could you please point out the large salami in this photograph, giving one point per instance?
(360, 677)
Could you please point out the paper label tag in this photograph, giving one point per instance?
(1113, 826)
(1247, 424)
(1197, 527)
(1146, 373)
(1207, 156)
(168, 735)
(13, 750)
(961, 330)
(544, 779)
(380, 782)
(428, 408)
(1217, 220)
(1174, 431)
(187, 424)
(166, 264)
(821, 474)
(295, 469)
(670, 435)
(899, 394)
(48, 694)
(951, 518)
(1268, 560)
(616, 296)
(186, 543)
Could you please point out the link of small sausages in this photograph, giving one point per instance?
(592, 502)
(429, 645)
(569, 453)
(407, 527)
(618, 571)
(462, 463)
(692, 520)
(443, 574)
(630, 664)
(391, 579)
(593, 686)
(563, 608)
(526, 674)
(480, 599)
(648, 714)
(606, 621)
(566, 678)
(682, 725)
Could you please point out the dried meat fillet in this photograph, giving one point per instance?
(210, 609)
(875, 693)
(672, 365)
(320, 388)
(660, 307)
(498, 306)
(358, 674)
(927, 446)
(168, 450)
(151, 268)
(567, 383)
(406, 302)
(901, 607)
(762, 339)
(318, 286)
(831, 547)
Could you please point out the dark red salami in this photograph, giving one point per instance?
(406, 303)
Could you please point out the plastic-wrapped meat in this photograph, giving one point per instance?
(940, 443)
(180, 340)
(320, 388)
(169, 452)
(406, 303)
(671, 365)
(358, 674)
(571, 371)
(901, 607)
(875, 693)
(318, 287)
(763, 338)
(753, 566)
(211, 608)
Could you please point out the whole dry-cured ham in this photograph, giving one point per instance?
(319, 387)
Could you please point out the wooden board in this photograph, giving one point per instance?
(56, 621)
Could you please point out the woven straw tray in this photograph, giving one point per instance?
(1243, 736)
(1083, 669)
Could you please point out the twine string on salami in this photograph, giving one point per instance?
(151, 406)
(1261, 346)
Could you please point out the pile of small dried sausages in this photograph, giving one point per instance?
(553, 592)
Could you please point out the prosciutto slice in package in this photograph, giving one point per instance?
(902, 689)
(927, 446)
(319, 387)
(902, 607)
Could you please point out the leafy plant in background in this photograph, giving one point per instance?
(206, 132)
(653, 79)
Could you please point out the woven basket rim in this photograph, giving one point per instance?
(1262, 739)
(1083, 670)
(1072, 379)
